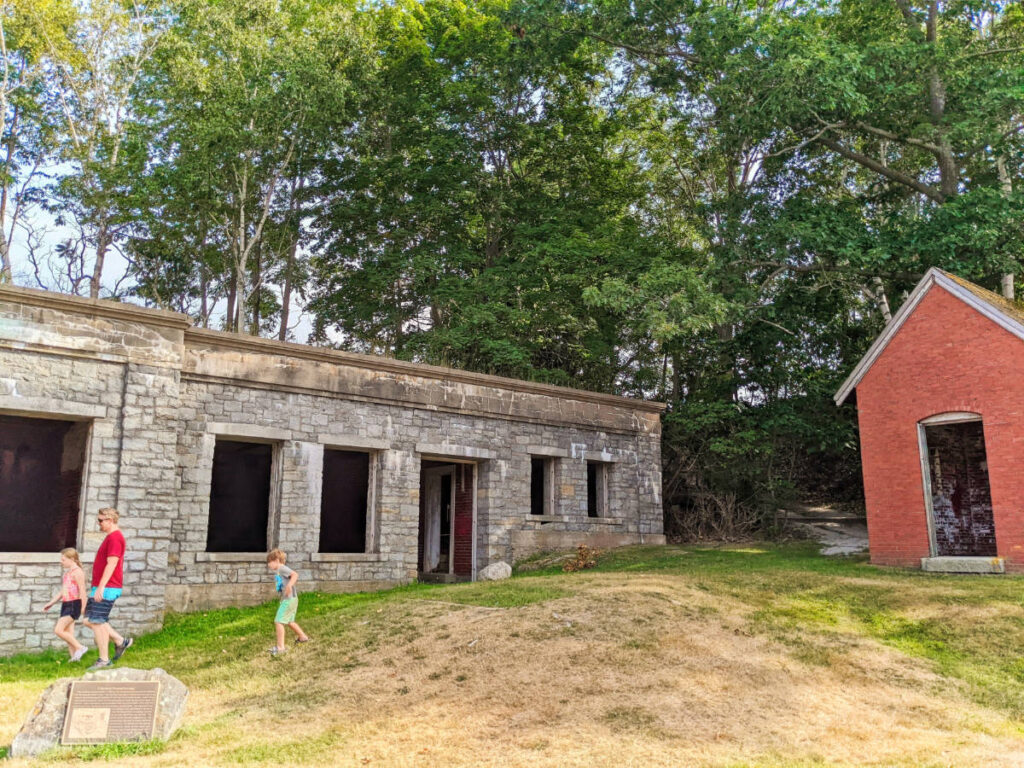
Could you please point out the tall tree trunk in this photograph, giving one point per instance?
(103, 240)
(229, 317)
(1007, 187)
(880, 297)
(6, 273)
(257, 266)
(289, 267)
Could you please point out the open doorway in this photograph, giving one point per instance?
(961, 500)
(446, 521)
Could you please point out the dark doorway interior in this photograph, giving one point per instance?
(436, 493)
(346, 484)
(961, 499)
(41, 465)
(446, 520)
(239, 497)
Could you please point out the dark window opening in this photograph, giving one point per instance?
(538, 486)
(596, 477)
(961, 499)
(41, 466)
(239, 497)
(343, 501)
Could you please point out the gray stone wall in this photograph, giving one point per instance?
(120, 377)
(156, 395)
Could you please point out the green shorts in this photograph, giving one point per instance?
(286, 610)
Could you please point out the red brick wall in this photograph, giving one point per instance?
(946, 357)
(464, 519)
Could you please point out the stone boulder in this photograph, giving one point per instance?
(495, 571)
(42, 728)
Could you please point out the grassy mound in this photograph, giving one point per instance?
(753, 655)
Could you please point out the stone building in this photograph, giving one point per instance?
(215, 447)
(941, 413)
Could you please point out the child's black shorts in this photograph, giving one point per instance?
(72, 608)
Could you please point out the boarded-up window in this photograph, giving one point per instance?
(239, 497)
(41, 464)
(597, 489)
(343, 503)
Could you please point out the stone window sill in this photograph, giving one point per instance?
(231, 557)
(347, 557)
(31, 558)
(575, 519)
(550, 518)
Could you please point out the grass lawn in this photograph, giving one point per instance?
(763, 655)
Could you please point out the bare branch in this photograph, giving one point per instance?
(890, 173)
(896, 137)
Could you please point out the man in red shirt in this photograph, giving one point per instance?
(107, 582)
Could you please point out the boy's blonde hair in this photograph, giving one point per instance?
(110, 512)
(71, 554)
(277, 554)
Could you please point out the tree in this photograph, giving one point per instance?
(33, 33)
(102, 145)
(243, 93)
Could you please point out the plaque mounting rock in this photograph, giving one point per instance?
(68, 713)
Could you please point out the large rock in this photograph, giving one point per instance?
(495, 571)
(43, 727)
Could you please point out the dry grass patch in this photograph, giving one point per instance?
(658, 667)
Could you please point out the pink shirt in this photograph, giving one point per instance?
(70, 586)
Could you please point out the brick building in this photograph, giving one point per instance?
(215, 447)
(940, 404)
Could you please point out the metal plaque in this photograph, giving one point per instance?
(103, 712)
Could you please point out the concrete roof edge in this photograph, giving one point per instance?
(105, 307)
(401, 367)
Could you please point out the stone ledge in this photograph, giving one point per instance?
(29, 558)
(40, 558)
(201, 339)
(95, 307)
(231, 557)
(576, 519)
(346, 557)
(963, 564)
(44, 406)
(228, 429)
(455, 451)
(354, 441)
(549, 451)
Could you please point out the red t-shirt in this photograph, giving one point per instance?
(112, 546)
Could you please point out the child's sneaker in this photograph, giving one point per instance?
(299, 640)
(124, 646)
(100, 664)
(77, 655)
(275, 651)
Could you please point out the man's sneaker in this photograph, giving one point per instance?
(120, 649)
(77, 655)
(101, 664)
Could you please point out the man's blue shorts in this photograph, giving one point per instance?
(98, 611)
